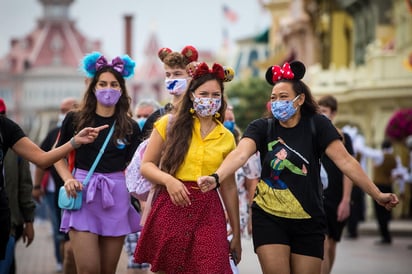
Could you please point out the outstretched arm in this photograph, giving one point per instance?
(232, 162)
(351, 168)
(33, 153)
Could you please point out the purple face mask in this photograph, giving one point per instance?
(108, 97)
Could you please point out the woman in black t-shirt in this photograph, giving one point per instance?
(288, 219)
(12, 136)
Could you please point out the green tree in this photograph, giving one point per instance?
(248, 98)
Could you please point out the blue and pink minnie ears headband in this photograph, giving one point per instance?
(293, 71)
(95, 61)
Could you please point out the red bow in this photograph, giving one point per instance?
(203, 68)
(282, 72)
(117, 64)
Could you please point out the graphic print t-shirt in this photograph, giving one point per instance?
(290, 185)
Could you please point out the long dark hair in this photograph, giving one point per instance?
(180, 130)
(86, 112)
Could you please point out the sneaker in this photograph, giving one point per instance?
(59, 268)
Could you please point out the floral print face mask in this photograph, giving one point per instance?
(206, 106)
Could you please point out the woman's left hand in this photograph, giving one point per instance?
(178, 192)
(387, 200)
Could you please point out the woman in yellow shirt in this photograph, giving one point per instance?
(185, 231)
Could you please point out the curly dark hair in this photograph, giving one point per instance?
(176, 59)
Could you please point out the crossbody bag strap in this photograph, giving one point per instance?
(96, 161)
(269, 130)
(314, 135)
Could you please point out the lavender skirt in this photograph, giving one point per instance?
(106, 209)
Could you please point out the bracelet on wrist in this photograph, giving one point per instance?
(37, 187)
(214, 175)
(74, 144)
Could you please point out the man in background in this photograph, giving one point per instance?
(144, 108)
(337, 195)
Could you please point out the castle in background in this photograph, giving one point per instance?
(42, 68)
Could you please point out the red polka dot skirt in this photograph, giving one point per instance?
(190, 239)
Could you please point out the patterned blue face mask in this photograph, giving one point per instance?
(283, 109)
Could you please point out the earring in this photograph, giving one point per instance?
(217, 115)
(192, 111)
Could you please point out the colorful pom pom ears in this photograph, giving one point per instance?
(95, 61)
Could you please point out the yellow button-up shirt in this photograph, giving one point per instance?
(204, 155)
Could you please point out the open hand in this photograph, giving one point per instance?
(178, 192)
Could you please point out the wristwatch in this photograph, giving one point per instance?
(214, 175)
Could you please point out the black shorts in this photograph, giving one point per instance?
(335, 228)
(304, 236)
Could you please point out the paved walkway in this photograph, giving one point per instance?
(359, 256)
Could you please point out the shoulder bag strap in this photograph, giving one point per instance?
(314, 135)
(96, 161)
(269, 130)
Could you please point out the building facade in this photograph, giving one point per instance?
(41, 68)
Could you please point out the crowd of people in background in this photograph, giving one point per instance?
(214, 183)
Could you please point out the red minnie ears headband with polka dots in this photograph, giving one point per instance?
(197, 69)
(293, 71)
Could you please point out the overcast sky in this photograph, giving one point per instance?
(177, 23)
